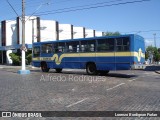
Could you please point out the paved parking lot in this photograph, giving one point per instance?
(74, 90)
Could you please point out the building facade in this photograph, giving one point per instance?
(36, 30)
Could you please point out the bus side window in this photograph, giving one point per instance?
(126, 44)
(83, 46)
(101, 45)
(105, 45)
(47, 48)
(122, 44)
(36, 51)
(72, 47)
(91, 46)
(59, 47)
(110, 44)
(88, 46)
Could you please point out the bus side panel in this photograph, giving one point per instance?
(105, 63)
(123, 63)
(72, 62)
(36, 63)
(85, 60)
(78, 62)
(49, 62)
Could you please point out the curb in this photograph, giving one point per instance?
(157, 72)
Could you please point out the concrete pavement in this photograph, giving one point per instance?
(15, 67)
(129, 90)
(155, 68)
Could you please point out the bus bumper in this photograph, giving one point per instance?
(138, 67)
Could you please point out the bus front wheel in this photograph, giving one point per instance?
(58, 70)
(91, 69)
(44, 67)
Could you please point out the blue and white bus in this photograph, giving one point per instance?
(97, 54)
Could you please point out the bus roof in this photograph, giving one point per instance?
(90, 38)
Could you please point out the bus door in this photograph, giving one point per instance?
(58, 51)
(72, 60)
(46, 54)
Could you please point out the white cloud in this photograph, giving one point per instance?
(149, 42)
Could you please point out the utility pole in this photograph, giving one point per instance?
(23, 47)
(155, 39)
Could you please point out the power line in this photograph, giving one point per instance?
(82, 6)
(29, 5)
(140, 31)
(71, 8)
(12, 7)
(92, 7)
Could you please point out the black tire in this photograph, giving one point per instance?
(91, 69)
(103, 72)
(44, 67)
(58, 70)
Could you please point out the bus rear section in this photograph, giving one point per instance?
(138, 53)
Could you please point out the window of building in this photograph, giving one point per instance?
(47, 48)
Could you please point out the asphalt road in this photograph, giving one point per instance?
(74, 90)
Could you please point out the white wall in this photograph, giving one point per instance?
(98, 33)
(11, 37)
(28, 30)
(65, 31)
(11, 33)
(48, 30)
(89, 33)
(78, 32)
(9, 61)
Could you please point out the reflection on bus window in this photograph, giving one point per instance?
(47, 48)
(72, 47)
(122, 44)
(36, 51)
(105, 45)
(88, 46)
(59, 47)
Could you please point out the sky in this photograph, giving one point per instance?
(125, 16)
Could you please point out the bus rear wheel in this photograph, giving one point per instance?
(44, 67)
(91, 69)
(58, 70)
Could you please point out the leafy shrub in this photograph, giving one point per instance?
(16, 57)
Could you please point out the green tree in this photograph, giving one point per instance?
(29, 56)
(112, 33)
(16, 59)
(154, 51)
